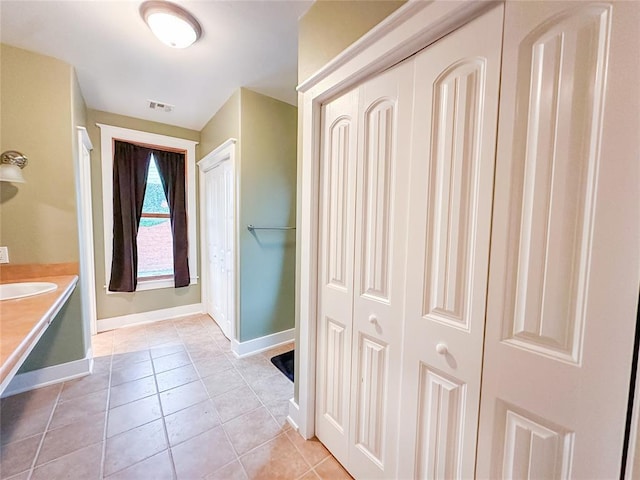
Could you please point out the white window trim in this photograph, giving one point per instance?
(107, 134)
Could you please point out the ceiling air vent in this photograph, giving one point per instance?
(153, 105)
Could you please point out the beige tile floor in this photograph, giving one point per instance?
(166, 400)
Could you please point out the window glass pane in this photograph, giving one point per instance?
(154, 198)
(155, 249)
(155, 243)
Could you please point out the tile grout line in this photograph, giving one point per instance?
(103, 456)
(244, 470)
(210, 398)
(233, 447)
(148, 350)
(203, 328)
(133, 428)
(311, 466)
(179, 338)
(157, 393)
(285, 432)
(68, 454)
(174, 473)
(262, 404)
(46, 429)
(258, 396)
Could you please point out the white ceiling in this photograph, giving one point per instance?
(120, 64)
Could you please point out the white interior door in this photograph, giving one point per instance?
(455, 123)
(211, 208)
(563, 286)
(364, 204)
(219, 237)
(384, 140)
(335, 296)
(229, 259)
(220, 283)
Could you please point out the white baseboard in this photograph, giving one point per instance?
(260, 344)
(294, 414)
(148, 317)
(44, 377)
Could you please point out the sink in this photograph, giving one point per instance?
(10, 291)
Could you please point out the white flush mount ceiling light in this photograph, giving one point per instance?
(11, 165)
(172, 24)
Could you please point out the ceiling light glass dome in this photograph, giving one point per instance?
(170, 23)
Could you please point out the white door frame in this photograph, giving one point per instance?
(224, 152)
(409, 29)
(87, 276)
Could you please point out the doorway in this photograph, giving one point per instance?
(218, 239)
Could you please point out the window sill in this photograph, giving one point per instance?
(158, 284)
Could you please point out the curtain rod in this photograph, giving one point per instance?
(152, 147)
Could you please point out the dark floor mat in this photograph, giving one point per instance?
(284, 363)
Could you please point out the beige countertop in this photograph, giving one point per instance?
(24, 320)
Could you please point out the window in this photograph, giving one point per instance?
(155, 242)
(155, 265)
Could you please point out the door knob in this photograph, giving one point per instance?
(442, 349)
(372, 319)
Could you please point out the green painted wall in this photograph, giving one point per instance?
(117, 304)
(63, 341)
(267, 197)
(330, 26)
(40, 107)
(266, 160)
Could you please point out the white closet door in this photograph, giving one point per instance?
(229, 265)
(384, 137)
(219, 211)
(455, 122)
(211, 213)
(335, 264)
(220, 285)
(563, 286)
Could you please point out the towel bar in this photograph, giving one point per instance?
(251, 228)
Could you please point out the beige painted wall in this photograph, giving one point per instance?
(330, 26)
(225, 124)
(40, 107)
(36, 117)
(118, 304)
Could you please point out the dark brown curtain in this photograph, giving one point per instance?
(171, 166)
(130, 168)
